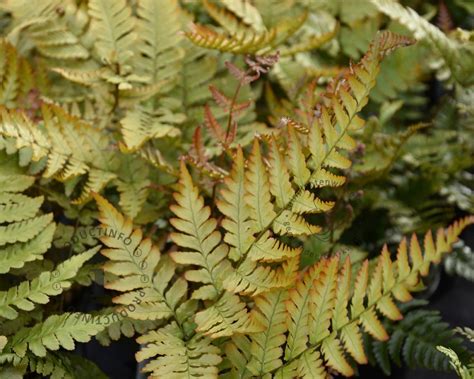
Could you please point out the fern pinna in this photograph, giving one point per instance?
(235, 301)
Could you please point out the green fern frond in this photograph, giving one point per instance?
(113, 23)
(141, 275)
(141, 125)
(414, 340)
(122, 326)
(53, 333)
(70, 147)
(463, 371)
(48, 283)
(16, 75)
(25, 235)
(461, 262)
(54, 37)
(65, 365)
(174, 357)
(457, 58)
(158, 25)
(466, 332)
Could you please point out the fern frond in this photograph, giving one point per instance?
(198, 233)
(158, 25)
(113, 24)
(16, 75)
(244, 39)
(174, 357)
(63, 364)
(134, 259)
(122, 326)
(298, 313)
(197, 71)
(466, 332)
(241, 200)
(70, 146)
(246, 12)
(463, 371)
(48, 283)
(266, 348)
(140, 125)
(53, 333)
(461, 262)
(17, 207)
(227, 316)
(132, 184)
(457, 59)
(414, 340)
(290, 174)
(237, 223)
(26, 235)
(89, 77)
(374, 294)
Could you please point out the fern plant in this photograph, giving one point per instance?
(194, 145)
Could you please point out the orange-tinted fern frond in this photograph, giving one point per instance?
(325, 317)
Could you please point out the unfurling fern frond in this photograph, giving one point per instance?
(414, 340)
(53, 333)
(25, 235)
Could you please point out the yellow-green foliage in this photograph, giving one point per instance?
(193, 145)
(25, 235)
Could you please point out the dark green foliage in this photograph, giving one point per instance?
(414, 339)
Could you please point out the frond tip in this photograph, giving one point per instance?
(324, 320)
